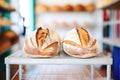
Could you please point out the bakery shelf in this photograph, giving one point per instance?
(63, 12)
(6, 10)
(114, 5)
(8, 25)
(113, 42)
(2, 52)
(20, 59)
(111, 22)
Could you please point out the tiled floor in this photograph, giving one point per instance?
(59, 72)
(62, 72)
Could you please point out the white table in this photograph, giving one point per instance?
(20, 58)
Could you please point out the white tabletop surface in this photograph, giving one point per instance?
(20, 58)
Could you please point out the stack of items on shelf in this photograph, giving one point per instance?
(117, 13)
(7, 39)
(5, 6)
(62, 24)
(111, 28)
(5, 22)
(68, 7)
(106, 28)
(111, 32)
(111, 24)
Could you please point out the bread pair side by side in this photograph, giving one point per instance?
(46, 43)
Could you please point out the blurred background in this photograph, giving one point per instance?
(18, 18)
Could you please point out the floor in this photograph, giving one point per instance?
(60, 72)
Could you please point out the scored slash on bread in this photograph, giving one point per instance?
(49, 50)
(51, 45)
(93, 43)
(41, 36)
(72, 43)
(83, 37)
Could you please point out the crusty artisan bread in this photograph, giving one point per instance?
(80, 43)
(79, 7)
(55, 8)
(42, 43)
(84, 37)
(41, 8)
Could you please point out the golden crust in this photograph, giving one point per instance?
(84, 37)
(79, 7)
(41, 8)
(55, 8)
(90, 7)
(93, 43)
(67, 7)
(72, 43)
(40, 36)
(51, 45)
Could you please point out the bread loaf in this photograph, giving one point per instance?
(90, 7)
(55, 8)
(41, 8)
(68, 7)
(79, 7)
(80, 43)
(42, 43)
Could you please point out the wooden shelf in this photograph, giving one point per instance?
(114, 5)
(113, 42)
(2, 52)
(6, 10)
